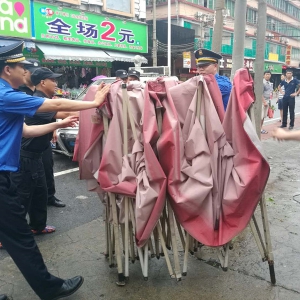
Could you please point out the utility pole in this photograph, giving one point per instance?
(169, 36)
(259, 61)
(154, 50)
(240, 11)
(218, 26)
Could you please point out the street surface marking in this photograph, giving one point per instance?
(65, 172)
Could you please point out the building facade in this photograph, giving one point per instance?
(282, 34)
(79, 38)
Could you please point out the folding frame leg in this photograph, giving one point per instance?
(174, 241)
(267, 235)
(121, 278)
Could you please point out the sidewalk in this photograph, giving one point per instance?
(270, 126)
(80, 251)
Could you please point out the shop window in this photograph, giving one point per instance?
(226, 38)
(229, 4)
(187, 24)
(248, 43)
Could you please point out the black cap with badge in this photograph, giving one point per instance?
(12, 54)
(205, 56)
(35, 65)
(121, 74)
(41, 74)
(135, 73)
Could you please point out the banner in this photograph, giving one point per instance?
(186, 59)
(67, 26)
(15, 18)
(36, 53)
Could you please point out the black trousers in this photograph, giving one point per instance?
(288, 103)
(18, 240)
(48, 163)
(32, 188)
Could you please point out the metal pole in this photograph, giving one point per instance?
(154, 50)
(259, 62)
(218, 26)
(169, 36)
(239, 35)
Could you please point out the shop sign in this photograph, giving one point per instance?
(249, 64)
(227, 62)
(288, 54)
(273, 56)
(75, 2)
(186, 60)
(273, 67)
(15, 18)
(71, 27)
(75, 63)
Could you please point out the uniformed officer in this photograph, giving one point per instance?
(29, 88)
(207, 63)
(122, 74)
(134, 75)
(15, 234)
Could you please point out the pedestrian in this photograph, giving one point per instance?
(280, 97)
(266, 97)
(47, 157)
(122, 74)
(28, 87)
(207, 63)
(133, 75)
(288, 101)
(15, 233)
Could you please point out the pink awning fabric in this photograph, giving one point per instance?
(215, 176)
(88, 145)
(137, 175)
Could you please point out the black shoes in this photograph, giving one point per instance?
(55, 202)
(69, 287)
(281, 126)
(291, 127)
(3, 297)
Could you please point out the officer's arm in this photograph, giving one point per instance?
(65, 114)
(39, 130)
(73, 105)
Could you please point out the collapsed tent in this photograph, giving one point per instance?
(169, 142)
(216, 174)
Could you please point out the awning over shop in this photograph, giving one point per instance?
(73, 53)
(125, 56)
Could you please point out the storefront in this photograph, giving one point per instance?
(226, 65)
(80, 45)
(276, 71)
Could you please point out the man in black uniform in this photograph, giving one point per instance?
(28, 87)
(15, 234)
(47, 157)
(122, 74)
(134, 75)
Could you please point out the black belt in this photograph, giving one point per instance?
(28, 154)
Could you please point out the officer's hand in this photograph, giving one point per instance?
(279, 134)
(71, 121)
(101, 93)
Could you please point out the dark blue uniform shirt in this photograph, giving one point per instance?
(289, 88)
(14, 105)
